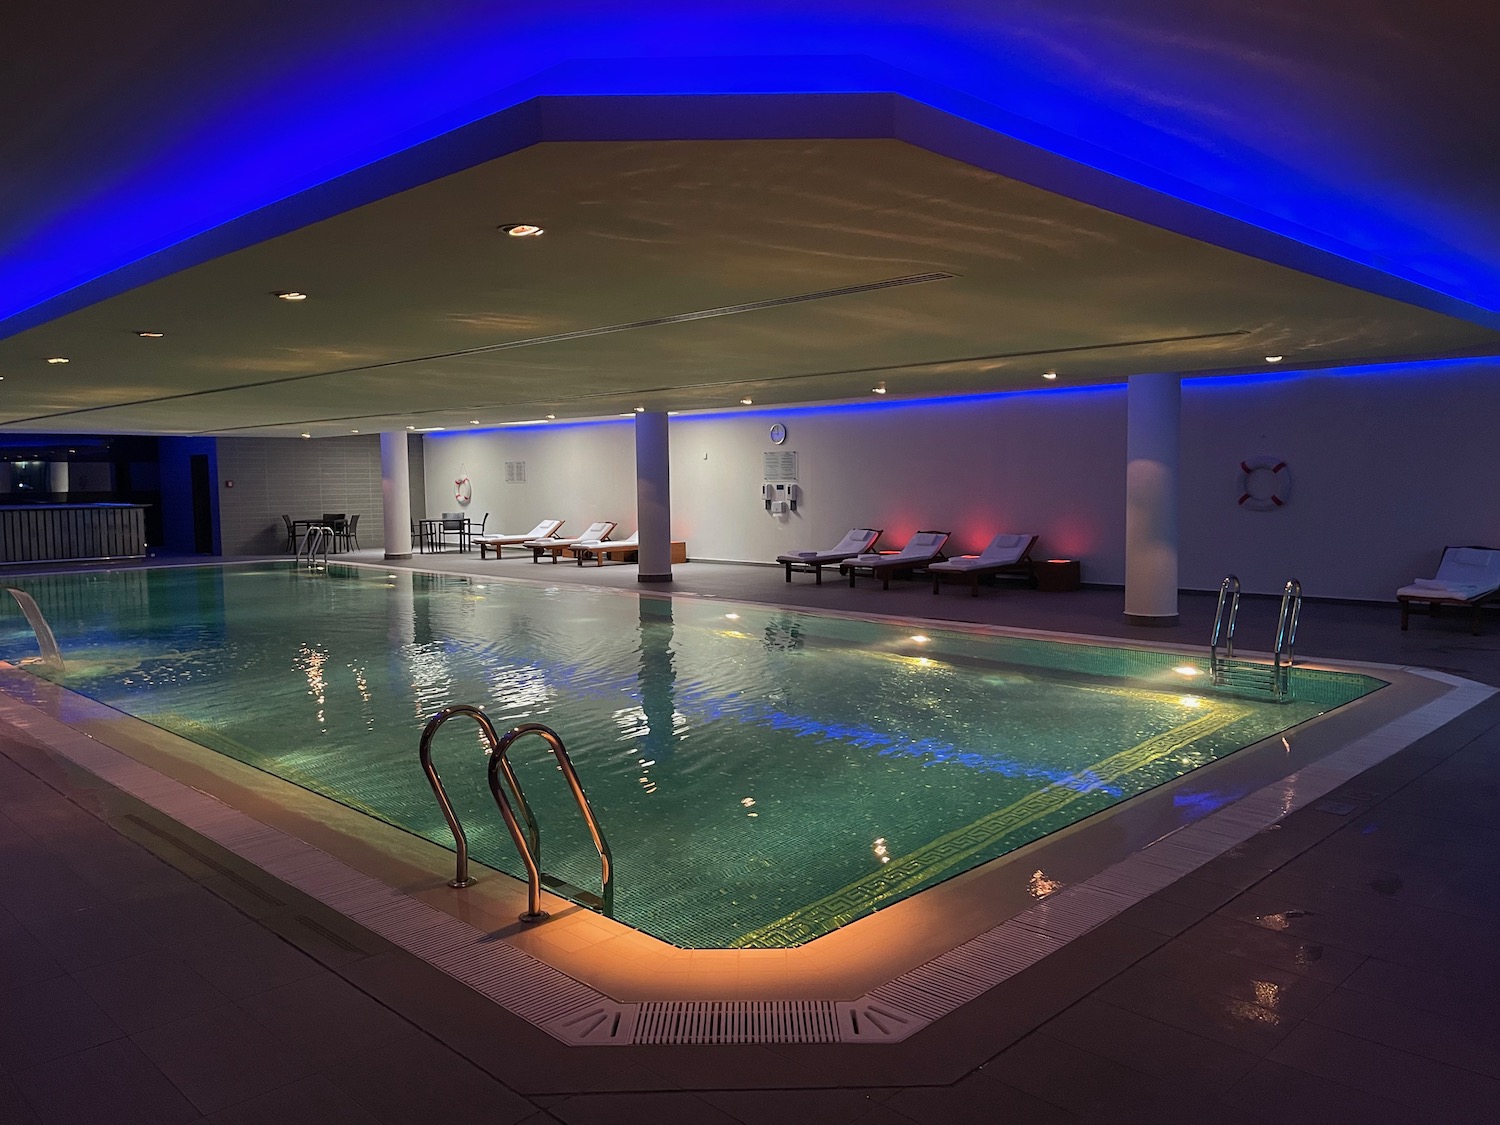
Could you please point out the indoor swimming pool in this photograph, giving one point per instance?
(763, 775)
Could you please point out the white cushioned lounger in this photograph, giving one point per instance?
(859, 540)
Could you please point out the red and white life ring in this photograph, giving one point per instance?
(463, 491)
(1265, 484)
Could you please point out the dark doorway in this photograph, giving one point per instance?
(203, 510)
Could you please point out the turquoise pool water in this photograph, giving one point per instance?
(763, 775)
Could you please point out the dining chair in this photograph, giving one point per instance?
(457, 524)
(291, 533)
(348, 536)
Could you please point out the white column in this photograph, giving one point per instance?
(653, 497)
(57, 478)
(395, 493)
(1153, 408)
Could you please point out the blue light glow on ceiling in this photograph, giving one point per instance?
(1166, 99)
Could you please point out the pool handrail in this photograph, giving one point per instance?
(45, 640)
(529, 849)
(1286, 635)
(1229, 593)
(316, 540)
(528, 841)
(500, 763)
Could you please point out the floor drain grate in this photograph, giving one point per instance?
(745, 1021)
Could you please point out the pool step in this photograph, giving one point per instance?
(1248, 677)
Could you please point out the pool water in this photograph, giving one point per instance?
(763, 776)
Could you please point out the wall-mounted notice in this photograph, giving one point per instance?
(780, 464)
(515, 472)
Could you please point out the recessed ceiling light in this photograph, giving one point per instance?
(150, 335)
(57, 359)
(1274, 358)
(746, 401)
(879, 388)
(291, 295)
(354, 431)
(307, 435)
(551, 416)
(522, 230)
(1049, 374)
(411, 427)
(473, 421)
(640, 410)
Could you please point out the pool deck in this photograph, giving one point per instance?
(1336, 965)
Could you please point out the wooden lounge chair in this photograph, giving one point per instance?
(515, 539)
(857, 542)
(598, 551)
(1467, 576)
(1007, 553)
(924, 547)
(554, 545)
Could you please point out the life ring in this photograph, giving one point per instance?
(463, 491)
(1265, 484)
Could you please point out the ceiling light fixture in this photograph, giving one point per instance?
(411, 427)
(1049, 374)
(291, 295)
(150, 335)
(746, 401)
(522, 230)
(354, 431)
(640, 410)
(307, 435)
(551, 416)
(57, 359)
(879, 388)
(473, 421)
(1274, 358)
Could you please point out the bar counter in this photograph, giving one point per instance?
(55, 532)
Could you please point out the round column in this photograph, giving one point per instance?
(1153, 408)
(653, 497)
(395, 495)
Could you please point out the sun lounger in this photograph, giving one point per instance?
(599, 551)
(554, 546)
(1468, 576)
(1007, 553)
(924, 547)
(503, 539)
(857, 542)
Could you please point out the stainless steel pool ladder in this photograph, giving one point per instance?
(315, 543)
(529, 841)
(1252, 676)
(45, 641)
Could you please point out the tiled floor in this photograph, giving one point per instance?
(1338, 967)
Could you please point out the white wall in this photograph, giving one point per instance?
(1386, 469)
(576, 473)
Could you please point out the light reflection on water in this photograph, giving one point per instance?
(842, 734)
